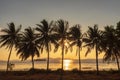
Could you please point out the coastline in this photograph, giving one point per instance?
(55, 64)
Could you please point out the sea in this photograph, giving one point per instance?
(69, 64)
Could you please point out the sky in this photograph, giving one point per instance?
(83, 12)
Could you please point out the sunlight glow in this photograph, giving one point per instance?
(67, 64)
(66, 44)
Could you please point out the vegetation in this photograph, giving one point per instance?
(93, 40)
(9, 39)
(33, 41)
(45, 37)
(61, 29)
(111, 45)
(28, 46)
(75, 36)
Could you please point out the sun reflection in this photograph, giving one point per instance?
(67, 64)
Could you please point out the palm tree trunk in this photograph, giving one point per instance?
(48, 56)
(117, 61)
(61, 76)
(8, 62)
(97, 61)
(32, 63)
(63, 56)
(79, 60)
(48, 60)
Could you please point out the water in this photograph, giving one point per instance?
(56, 64)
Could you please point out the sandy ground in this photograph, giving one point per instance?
(55, 75)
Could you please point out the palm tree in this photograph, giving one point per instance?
(46, 37)
(111, 45)
(75, 36)
(118, 36)
(28, 45)
(9, 39)
(60, 30)
(93, 40)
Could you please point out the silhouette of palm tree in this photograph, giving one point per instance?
(111, 45)
(28, 45)
(93, 40)
(9, 39)
(75, 36)
(46, 37)
(60, 31)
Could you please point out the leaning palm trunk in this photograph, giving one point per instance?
(8, 62)
(117, 61)
(79, 60)
(97, 61)
(32, 63)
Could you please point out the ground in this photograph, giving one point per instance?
(55, 75)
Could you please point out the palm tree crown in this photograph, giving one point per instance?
(75, 35)
(10, 36)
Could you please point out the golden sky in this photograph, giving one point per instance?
(72, 55)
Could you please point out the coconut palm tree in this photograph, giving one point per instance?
(28, 45)
(118, 36)
(111, 45)
(75, 36)
(93, 40)
(46, 37)
(60, 30)
(9, 39)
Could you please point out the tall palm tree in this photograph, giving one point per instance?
(46, 37)
(75, 36)
(93, 41)
(118, 36)
(28, 45)
(9, 39)
(61, 29)
(111, 45)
